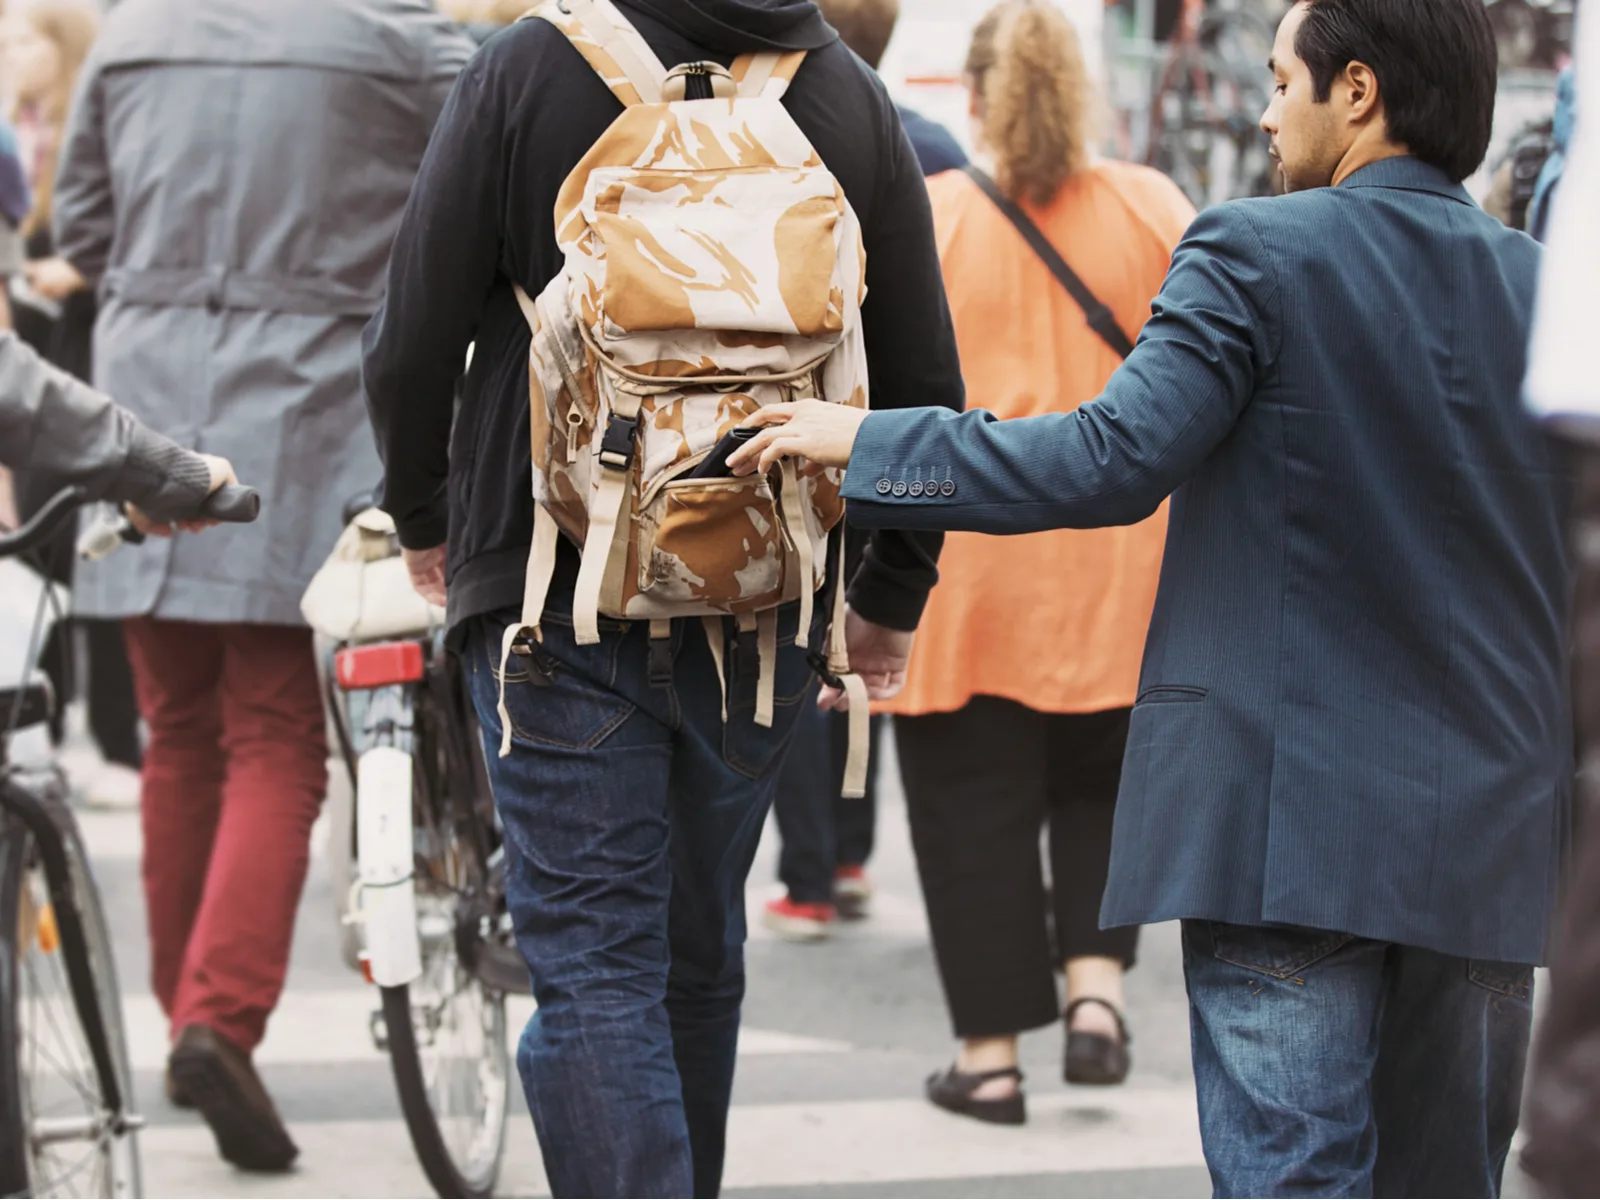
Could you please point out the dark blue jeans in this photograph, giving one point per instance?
(1330, 1065)
(631, 816)
(821, 830)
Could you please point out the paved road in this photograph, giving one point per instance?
(838, 1037)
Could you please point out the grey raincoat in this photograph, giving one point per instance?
(232, 178)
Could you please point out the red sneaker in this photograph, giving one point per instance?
(852, 892)
(797, 922)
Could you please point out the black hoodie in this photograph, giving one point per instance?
(524, 112)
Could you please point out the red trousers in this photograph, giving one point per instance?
(233, 779)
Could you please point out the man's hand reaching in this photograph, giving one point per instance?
(878, 655)
(426, 568)
(810, 429)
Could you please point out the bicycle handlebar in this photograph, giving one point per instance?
(233, 503)
(37, 530)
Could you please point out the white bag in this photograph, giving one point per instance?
(363, 593)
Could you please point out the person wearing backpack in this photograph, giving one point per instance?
(701, 209)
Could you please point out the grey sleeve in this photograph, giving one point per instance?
(84, 215)
(68, 433)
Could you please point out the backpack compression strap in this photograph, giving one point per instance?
(766, 74)
(611, 45)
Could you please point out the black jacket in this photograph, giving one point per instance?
(523, 113)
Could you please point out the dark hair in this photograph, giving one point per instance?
(1436, 63)
(863, 25)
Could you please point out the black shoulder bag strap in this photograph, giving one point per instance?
(1099, 316)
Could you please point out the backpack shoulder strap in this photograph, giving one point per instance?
(1100, 318)
(766, 74)
(611, 45)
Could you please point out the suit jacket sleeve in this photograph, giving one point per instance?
(1210, 341)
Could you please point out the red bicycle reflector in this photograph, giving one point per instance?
(378, 665)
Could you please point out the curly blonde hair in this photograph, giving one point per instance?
(1035, 97)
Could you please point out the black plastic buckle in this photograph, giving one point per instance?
(616, 447)
(746, 654)
(660, 662)
(819, 664)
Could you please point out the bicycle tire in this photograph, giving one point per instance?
(119, 1150)
(13, 1118)
(427, 1139)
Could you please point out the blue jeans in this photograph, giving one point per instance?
(631, 816)
(1330, 1065)
(821, 830)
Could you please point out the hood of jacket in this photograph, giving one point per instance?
(738, 26)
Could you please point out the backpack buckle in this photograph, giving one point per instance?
(616, 447)
(660, 662)
(819, 664)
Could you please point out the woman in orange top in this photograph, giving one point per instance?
(1016, 709)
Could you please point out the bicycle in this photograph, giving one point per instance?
(427, 897)
(67, 1121)
(1207, 104)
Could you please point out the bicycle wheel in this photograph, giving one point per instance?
(60, 1136)
(447, 1031)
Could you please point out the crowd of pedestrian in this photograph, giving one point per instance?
(1211, 568)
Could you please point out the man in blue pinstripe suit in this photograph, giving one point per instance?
(1349, 767)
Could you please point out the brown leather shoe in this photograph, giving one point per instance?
(176, 1096)
(221, 1081)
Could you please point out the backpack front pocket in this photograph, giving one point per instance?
(716, 542)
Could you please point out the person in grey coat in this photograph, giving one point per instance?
(231, 180)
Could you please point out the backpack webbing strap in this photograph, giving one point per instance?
(800, 537)
(766, 74)
(716, 640)
(767, 671)
(605, 548)
(1100, 318)
(857, 760)
(541, 567)
(612, 46)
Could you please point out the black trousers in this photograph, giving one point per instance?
(821, 830)
(982, 784)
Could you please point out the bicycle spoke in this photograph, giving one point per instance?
(71, 1074)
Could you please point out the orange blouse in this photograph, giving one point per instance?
(1056, 620)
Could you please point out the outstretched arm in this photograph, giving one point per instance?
(1210, 340)
(69, 433)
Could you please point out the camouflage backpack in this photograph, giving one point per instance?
(712, 266)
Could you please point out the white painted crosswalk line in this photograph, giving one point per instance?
(323, 1028)
(769, 1146)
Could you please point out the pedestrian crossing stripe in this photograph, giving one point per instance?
(770, 1146)
(327, 1027)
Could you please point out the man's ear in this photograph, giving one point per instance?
(1361, 88)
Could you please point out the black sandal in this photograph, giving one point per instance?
(1094, 1058)
(952, 1090)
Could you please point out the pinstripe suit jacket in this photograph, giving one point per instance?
(1353, 711)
